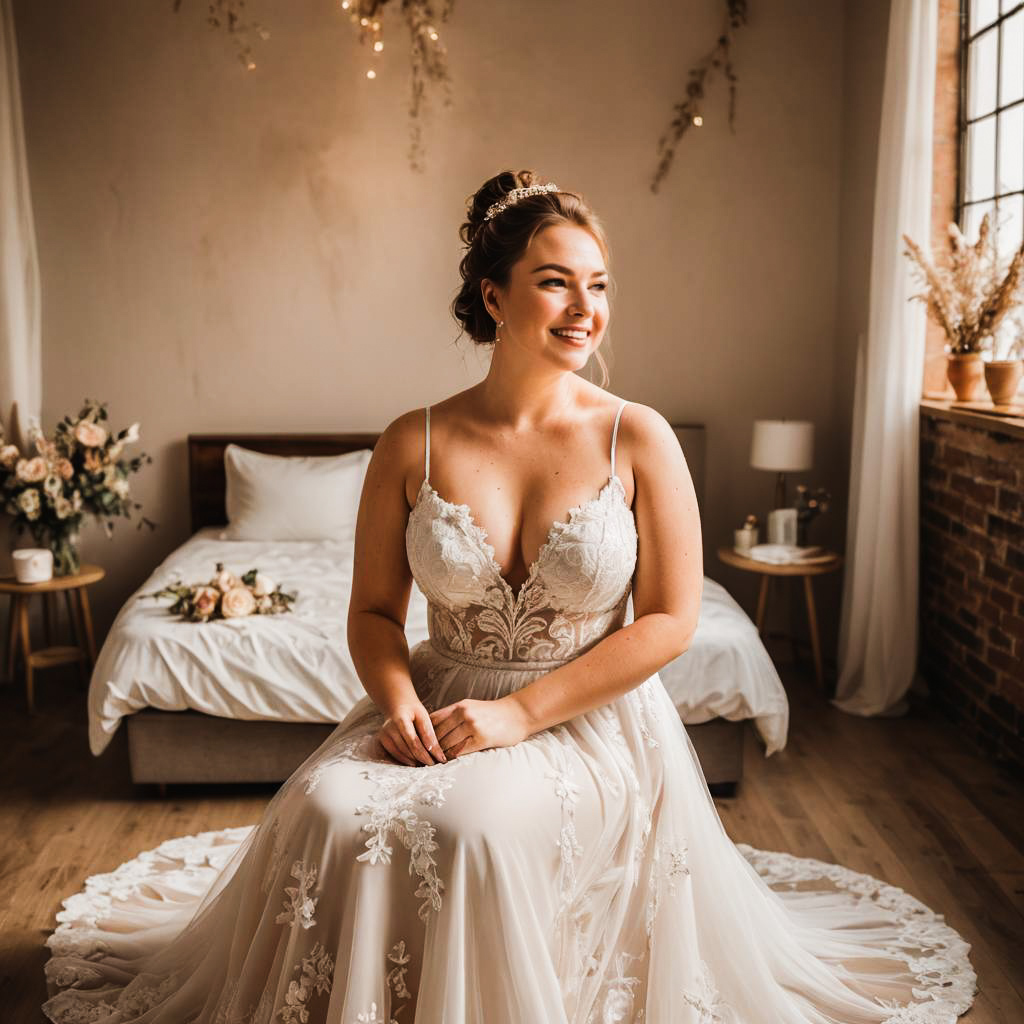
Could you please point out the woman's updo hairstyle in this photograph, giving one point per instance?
(494, 246)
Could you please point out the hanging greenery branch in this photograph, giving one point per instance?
(687, 112)
(427, 54)
(228, 14)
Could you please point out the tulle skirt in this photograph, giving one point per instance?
(580, 876)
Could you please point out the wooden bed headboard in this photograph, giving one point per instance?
(207, 480)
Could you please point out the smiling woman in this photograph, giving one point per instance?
(513, 824)
(569, 262)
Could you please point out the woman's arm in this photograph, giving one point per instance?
(381, 586)
(667, 587)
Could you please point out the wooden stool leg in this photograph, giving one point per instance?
(83, 601)
(13, 622)
(26, 650)
(48, 619)
(76, 628)
(762, 603)
(812, 621)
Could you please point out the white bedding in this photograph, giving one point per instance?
(296, 667)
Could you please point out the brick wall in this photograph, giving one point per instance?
(972, 580)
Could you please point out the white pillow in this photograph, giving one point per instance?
(292, 497)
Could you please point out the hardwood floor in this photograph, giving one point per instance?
(902, 799)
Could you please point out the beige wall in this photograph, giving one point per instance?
(223, 250)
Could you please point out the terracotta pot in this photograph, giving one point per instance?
(1002, 378)
(967, 375)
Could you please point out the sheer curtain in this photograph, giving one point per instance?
(21, 371)
(878, 626)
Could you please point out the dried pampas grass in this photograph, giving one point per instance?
(972, 292)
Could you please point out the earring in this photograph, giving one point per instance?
(497, 327)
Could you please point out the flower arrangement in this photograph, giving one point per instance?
(81, 472)
(227, 596)
(970, 295)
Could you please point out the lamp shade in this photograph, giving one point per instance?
(785, 446)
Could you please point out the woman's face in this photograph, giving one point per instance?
(555, 304)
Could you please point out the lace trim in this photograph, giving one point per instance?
(317, 977)
(299, 906)
(391, 810)
(944, 975)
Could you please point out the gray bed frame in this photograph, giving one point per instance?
(192, 747)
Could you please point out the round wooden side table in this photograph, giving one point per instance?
(829, 561)
(79, 615)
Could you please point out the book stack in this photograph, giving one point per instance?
(788, 554)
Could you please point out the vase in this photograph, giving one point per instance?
(967, 374)
(64, 545)
(1002, 378)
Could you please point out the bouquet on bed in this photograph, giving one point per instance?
(227, 596)
(80, 473)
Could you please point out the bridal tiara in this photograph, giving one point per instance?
(515, 195)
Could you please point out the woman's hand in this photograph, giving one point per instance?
(408, 737)
(469, 725)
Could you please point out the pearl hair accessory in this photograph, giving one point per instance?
(515, 195)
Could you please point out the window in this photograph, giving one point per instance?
(992, 120)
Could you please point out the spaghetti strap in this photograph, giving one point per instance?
(615, 433)
(426, 445)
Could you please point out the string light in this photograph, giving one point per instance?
(698, 120)
(371, 73)
(378, 46)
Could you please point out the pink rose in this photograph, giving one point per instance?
(31, 470)
(9, 455)
(237, 602)
(206, 600)
(64, 468)
(90, 434)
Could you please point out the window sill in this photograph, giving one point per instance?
(981, 415)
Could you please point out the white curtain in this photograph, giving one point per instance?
(21, 370)
(878, 627)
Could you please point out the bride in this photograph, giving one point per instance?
(512, 827)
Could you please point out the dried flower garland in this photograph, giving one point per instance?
(687, 111)
(969, 296)
(227, 596)
(427, 54)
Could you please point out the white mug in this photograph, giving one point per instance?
(33, 565)
(744, 538)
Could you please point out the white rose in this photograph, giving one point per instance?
(28, 502)
(9, 455)
(90, 434)
(263, 585)
(226, 580)
(31, 470)
(63, 508)
(237, 602)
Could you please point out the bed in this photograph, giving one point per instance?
(246, 700)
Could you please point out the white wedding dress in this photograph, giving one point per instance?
(580, 876)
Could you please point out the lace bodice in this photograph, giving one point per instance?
(575, 592)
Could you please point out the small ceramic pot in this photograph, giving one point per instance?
(1002, 378)
(967, 375)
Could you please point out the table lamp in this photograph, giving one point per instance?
(782, 446)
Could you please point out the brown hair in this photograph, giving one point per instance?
(495, 245)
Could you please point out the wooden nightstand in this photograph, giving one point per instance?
(79, 615)
(829, 562)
